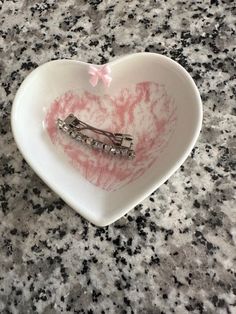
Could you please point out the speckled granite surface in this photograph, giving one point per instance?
(175, 252)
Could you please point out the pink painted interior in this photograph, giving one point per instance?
(144, 110)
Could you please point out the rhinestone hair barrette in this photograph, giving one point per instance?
(119, 144)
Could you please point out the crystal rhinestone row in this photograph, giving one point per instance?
(95, 144)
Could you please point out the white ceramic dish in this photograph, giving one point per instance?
(99, 204)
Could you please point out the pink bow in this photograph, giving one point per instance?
(100, 73)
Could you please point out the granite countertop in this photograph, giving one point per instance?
(175, 252)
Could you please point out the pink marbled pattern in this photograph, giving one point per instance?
(144, 110)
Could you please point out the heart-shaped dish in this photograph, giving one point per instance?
(151, 97)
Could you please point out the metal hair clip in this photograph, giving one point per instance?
(120, 144)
